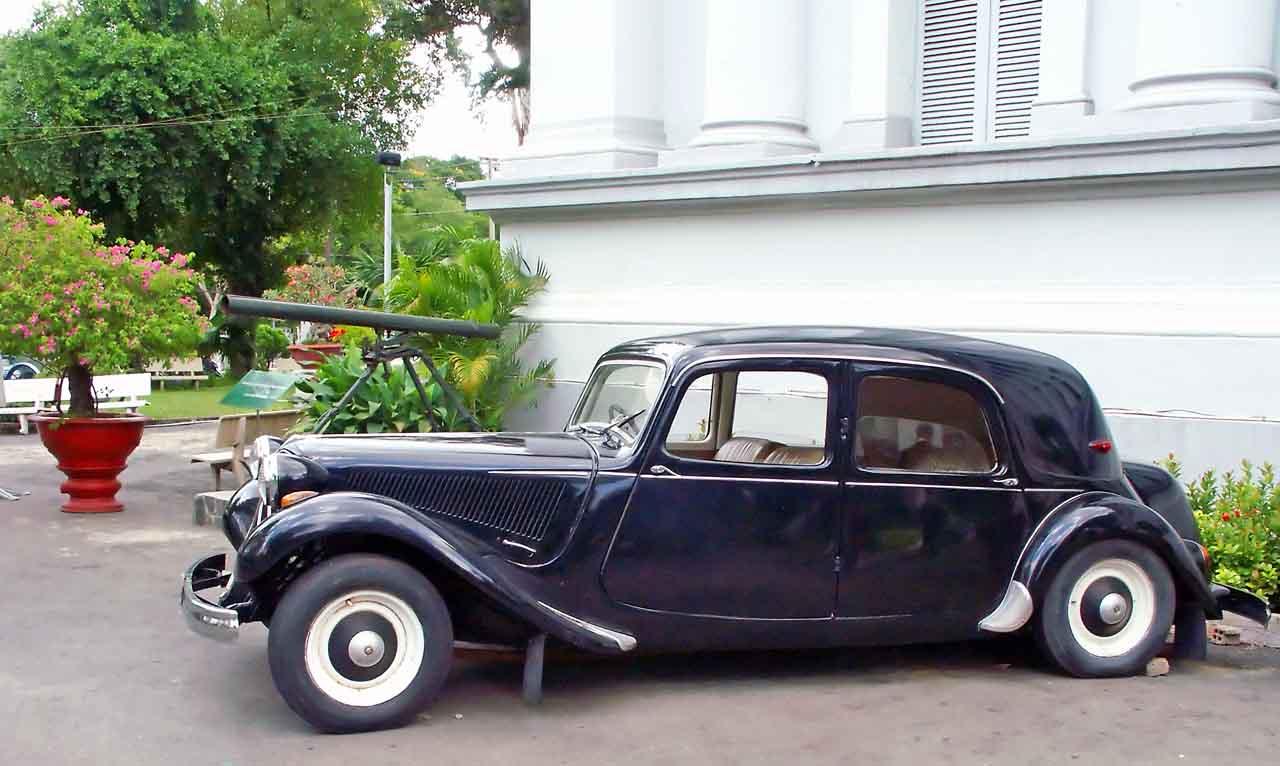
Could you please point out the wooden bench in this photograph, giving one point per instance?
(194, 378)
(28, 396)
(234, 437)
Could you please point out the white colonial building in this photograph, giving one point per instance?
(1099, 179)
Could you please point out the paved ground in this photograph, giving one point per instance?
(99, 668)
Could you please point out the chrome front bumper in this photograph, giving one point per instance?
(205, 617)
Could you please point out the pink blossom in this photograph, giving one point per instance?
(35, 203)
(51, 220)
(7, 200)
(81, 211)
(180, 260)
(59, 202)
(22, 330)
(162, 250)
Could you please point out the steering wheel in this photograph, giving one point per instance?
(629, 429)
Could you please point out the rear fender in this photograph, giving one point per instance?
(350, 514)
(1096, 516)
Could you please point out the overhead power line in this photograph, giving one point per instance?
(175, 124)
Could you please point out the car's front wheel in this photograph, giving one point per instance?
(1107, 611)
(360, 642)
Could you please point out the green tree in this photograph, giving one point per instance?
(502, 22)
(226, 128)
(425, 203)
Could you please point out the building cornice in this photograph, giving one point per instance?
(1252, 149)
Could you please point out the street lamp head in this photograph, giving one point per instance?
(389, 159)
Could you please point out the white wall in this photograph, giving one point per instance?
(1166, 302)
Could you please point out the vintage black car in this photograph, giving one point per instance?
(735, 489)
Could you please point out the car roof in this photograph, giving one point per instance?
(1050, 409)
(873, 342)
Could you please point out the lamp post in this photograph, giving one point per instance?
(389, 162)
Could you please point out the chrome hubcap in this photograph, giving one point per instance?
(1113, 608)
(366, 648)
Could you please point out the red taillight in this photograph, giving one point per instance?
(1101, 445)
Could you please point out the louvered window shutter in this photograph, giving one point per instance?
(949, 69)
(979, 68)
(1016, 64)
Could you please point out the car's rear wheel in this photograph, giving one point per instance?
(360, 642)
(1107, 611)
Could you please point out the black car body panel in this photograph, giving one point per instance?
(609, 548)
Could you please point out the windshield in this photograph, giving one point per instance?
(618, 401)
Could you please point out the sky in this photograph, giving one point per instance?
(448, 126)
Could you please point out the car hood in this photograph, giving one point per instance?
(457, 451)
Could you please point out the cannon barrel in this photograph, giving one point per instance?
(380, 320)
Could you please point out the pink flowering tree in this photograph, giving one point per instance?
(81, 306)
(323, 284)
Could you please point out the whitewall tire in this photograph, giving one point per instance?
(1107, 610)
(360, 642)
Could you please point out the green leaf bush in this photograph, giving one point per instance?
(1239, 519)
(385, 403)
(81, 306)
(463, 277)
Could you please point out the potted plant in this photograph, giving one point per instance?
(78, 307)
(323, 284)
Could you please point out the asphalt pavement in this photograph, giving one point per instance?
(99, 668)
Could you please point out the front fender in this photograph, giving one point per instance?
(341, 514)
(1097, 516)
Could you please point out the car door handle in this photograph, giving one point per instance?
(1007, 482)
(662, 470)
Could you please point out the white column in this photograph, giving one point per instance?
(756, 79)
(882, 49)
(1207, 60)
(595, 95)
(1063, 97)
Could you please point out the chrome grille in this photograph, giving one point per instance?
(515, 505)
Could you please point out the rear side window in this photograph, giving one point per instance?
(918, 425)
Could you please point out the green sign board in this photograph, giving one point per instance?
(259, 390)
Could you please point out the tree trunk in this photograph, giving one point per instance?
(80, 381)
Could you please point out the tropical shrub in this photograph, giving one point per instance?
(385, 403)
(462, 277)
(1239, 519)
(82, 307)
(270, 343)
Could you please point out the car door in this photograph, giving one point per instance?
(744, 529)
(934, 518)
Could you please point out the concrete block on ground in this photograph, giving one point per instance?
(208, 507)
(1222, 634)
(1158, 667)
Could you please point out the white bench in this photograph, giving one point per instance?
(31, 395)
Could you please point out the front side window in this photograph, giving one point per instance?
(618, 401)
(917, 425)
(774, 417)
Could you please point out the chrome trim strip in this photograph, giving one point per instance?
(928, 486)
(1046, 489)
(801, 354)
(538, 472)
(756, 479)
(1013, 611)
(623, 474)
(623, 641)
(515, 544)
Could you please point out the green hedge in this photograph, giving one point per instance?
(1239, 518)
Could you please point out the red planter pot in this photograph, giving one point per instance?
(91, 452)
(311, 355)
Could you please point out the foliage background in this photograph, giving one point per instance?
(1239, 519)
